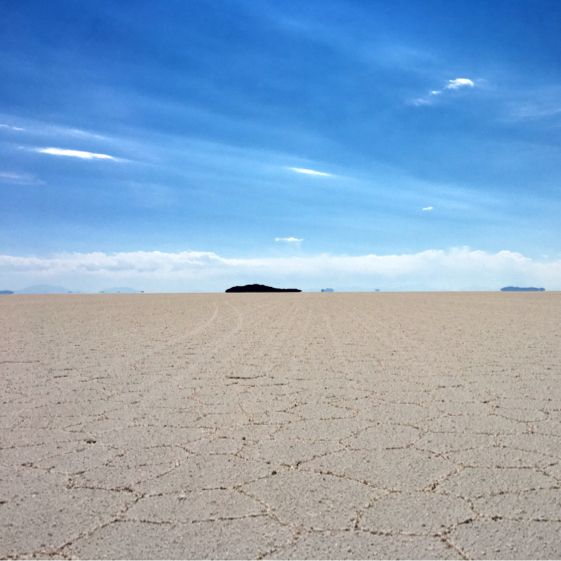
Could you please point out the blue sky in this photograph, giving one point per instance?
(292, 141)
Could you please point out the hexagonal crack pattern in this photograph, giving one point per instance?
(281, 426)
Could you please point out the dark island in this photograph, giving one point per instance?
(521, 289)
(6, 291)
(260, 288)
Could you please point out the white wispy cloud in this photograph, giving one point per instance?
(420, 101)
(532, 103)
(527, 111)
(427, 209)
(79, 133)
(451, 85)
(82, 154)
(307, 171)
(451, 269)
(19, 178)
(49, 129)
(458, 83)
(11, 128)
(289, 240)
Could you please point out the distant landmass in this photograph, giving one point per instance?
(521, 289)
(46, 289)
(119, 290)
(260, 288)
(6, 291)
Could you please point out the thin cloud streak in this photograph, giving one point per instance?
(420, 101)
(19, 178)
(427, 209)
(307, 171)
(79, 133)
(81, 154)
(52, 129)
(11, 128)
(290, 240)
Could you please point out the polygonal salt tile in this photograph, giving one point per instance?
(539, 504)
(506, 539)
(285, 451)
(364, 545)
(245, 538)
(534, 442)
(316, 429)
(383, 436)
(51, 517)
(415, 513)
(444, 443)
(501, 457)
(206, 472)
(396, 469)
(475, 482)
(195, 506)
(312, 500)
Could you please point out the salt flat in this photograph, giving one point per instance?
(281, 426)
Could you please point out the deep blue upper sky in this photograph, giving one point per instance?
(205, 106)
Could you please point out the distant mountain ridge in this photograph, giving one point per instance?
(522, 289)
(46, 289)
(260, 288)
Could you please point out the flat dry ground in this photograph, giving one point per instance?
(281, 426)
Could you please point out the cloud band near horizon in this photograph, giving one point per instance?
(432, 269)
